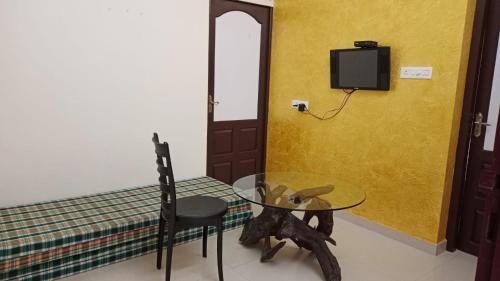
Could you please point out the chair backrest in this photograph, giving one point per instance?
(167, 183)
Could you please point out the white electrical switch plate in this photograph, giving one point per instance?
(295, 103)
(416, 72)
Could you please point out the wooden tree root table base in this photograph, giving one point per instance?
(282, 224)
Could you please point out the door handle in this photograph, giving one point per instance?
(478, 125)
(211, 103)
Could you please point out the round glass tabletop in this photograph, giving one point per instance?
(299, 191)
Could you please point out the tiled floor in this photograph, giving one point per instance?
(363, 256)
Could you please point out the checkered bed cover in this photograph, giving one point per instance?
(54, 239)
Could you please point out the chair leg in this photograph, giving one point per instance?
(219, 249)
(170, 248)
(159, 246)
(205, 237)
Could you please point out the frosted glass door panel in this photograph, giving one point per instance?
(489, 141)
(236, 67)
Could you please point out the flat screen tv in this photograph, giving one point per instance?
(361, 68)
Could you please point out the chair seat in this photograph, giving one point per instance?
(200, 207)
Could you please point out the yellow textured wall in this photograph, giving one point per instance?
(398, 145)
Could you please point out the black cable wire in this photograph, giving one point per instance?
(332, 110)
(335, 111)
(346, 97)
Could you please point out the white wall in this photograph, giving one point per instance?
(269, 3)
(83, 85)
(494, 108)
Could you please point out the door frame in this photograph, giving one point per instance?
(472, 83)
(267, 67)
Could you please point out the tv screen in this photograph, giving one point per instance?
(365, 69)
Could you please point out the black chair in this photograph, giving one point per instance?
(184, 213)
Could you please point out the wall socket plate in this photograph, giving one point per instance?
(416, 73)
(295, 103)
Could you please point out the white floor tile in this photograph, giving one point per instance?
(356, 270)
(362, 254)
(461, 268)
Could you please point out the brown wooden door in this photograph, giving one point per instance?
(238, 89)
(480, 151)
(488, 266)
(495, 265)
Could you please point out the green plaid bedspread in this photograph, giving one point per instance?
(54, 239)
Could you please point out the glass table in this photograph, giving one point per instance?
(314, 195)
